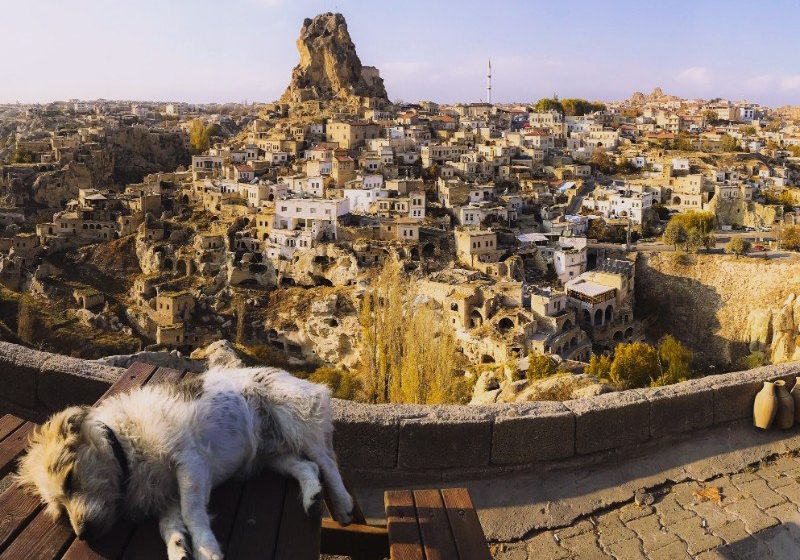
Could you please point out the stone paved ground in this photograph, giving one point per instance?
(753, 514)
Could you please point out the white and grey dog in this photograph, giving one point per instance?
(159, 450)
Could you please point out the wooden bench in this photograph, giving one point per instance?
(261, 518)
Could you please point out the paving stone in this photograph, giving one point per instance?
(785, 513)
(791, 493)
(727, 490)
(632, 511)
(630, 549)
(764, 496)
(583, 526)
(754, 519)
(697, 539)
(685, 492)
(713, 514)
(584, 546)
(610, 530)
(670, 511)
(775, 476)
(652, 535)
(673, 551)
(732, 532)
(711, 555)
(747, 476)
(510, 552)
(544, 546)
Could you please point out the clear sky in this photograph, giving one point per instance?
(231, 50)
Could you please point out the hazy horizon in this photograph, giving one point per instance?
(204, 52)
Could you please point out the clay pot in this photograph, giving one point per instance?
(766, 406)
(796, 396)
(785, 417)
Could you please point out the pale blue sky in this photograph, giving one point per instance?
(211, 50)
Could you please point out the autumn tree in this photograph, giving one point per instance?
(599, 366)
(729, 144)
(675, 361)
(200, 135)
(675, 234)
(408, 354)
(343, 384)
(635, 365)
(789, 238)
(738, 246)
(541, 366)
(547, 104)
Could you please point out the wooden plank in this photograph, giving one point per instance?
(165, 375)
(224, 504)
(255, 530)
(107, 547)
(405, 541)
(8, 424)
(299, 534)
(367, 542)
(135, 376)
(13, 446)
(17, 508)
(434, 526)
(146, 542)
(41, 538)
(465, 525)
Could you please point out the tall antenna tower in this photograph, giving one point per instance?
(489, 83)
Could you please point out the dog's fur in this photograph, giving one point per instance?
(179, 441)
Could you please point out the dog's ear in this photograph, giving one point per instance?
(73, 420)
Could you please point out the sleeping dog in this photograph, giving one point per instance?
(159, 450)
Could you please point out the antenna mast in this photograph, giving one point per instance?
(489, 83)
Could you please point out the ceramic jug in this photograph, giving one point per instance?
(785, 417)
(796, 398)
(766, 406)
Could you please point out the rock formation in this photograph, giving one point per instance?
(774, 331)
(329, 66)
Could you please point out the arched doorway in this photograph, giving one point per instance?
(598, 318)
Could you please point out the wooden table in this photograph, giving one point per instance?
(434, 525)
(261, 518)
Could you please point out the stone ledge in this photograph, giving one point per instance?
(445, 442)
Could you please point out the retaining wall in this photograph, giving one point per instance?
(421, 443)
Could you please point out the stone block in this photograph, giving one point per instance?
(610, 421)
(19, 367)
(681, 407)
(366, 436)
(65, 381)
(447, 437)
(540, 431)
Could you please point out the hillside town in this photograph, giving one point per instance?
(171, 226)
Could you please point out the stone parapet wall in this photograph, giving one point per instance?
(422, 443)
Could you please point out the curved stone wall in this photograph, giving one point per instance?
(420, 443)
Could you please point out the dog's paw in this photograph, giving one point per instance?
(343, 506)
(177, 549)
(311, 491)
(208, 550)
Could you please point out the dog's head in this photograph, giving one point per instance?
(71, 466)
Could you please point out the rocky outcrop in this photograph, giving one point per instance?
(329, 67)
(560, 387)
(324, 264)
(775, 331)
(138, 151)
(744, 213)
(719, 306)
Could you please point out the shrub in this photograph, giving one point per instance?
(599, 366)
(738, 246)
(343, 384)
(755, 359)
(541, 366)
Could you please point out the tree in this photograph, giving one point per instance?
(602, 161)
(728, 143)
(200, 135)
(635, 365)
(738, 246)
(599, 366)
(709, 116)
(789, 238)
(547, 104)
(675, 360)
(541, 366)
(21, 155)
(675, 233)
